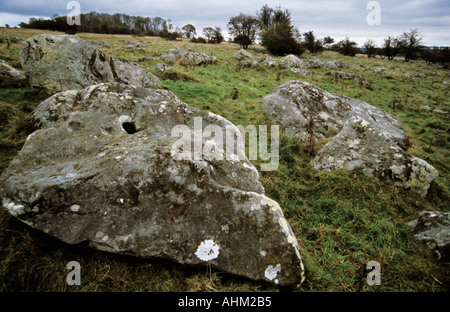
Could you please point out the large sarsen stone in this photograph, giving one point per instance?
(65, 62)
(101, 169)
(363, 136)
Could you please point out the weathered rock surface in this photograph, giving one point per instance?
(363, 136)
(171, 56)
(10, 76)
(302, 72)
(360, 145)
(267, 61)
(292, 61)
(245, 59)
(65, 62)
(335, 64)
(160, 67)
(382, 71)
(292, 104)
(432, 228)
(102, 169)
(360, 79)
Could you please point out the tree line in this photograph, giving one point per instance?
(272, 26)
(103, 23)
(277, 33)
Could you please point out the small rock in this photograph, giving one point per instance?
(432, 228)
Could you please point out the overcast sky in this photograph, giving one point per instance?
(335, 18)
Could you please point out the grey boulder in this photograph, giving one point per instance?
(190, 57)
(302, 72)
(361, 145)
(432, 228)
(363, 136)
(245, 59)
(292, 61)
(102, 168)
(10, 76)
(66, 62)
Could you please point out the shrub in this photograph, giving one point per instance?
(198, 40)
(347, 47)
(278, 32)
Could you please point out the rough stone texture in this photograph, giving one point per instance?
(335, 64)
(292, 61)
(65, 62)
(363, 136)
(360, 79)
(267, 61)
(245, 59)
(382, 71)
(292, 103)
(360, 145)
(432, 228)
(160, 67)
(10, 76)
(101, 168)
(171, 56)
(302, 72)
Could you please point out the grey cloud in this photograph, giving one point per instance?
(337, 18)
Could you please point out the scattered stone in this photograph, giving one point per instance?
(65, 62)
(267, 61)
(432, 74)
(359, 145)
(147, 59)
(363, 136)
(302, 72)
(245, 59)
(360, 79)
(335, 64)
(432, 228)
(104, 168)
(10, 76)
(382, 71)
(162, 67)
(99, 43)
(292, 61)
(171, 56)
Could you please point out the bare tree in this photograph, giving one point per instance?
(370, 48)
(189, 30)
(410, 44)
(244, 28)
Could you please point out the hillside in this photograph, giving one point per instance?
(343, 219)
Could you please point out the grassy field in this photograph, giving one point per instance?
(343, 220)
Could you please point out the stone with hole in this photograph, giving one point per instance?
(102, 168)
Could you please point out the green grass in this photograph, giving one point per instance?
(343, 220)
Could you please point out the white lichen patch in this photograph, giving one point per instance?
(225, 228)
(194, 188)
(162, 106)
(208, 250)
(75, 208)
(283, 223)
(271, 272)
(273, 204)
(14, 209)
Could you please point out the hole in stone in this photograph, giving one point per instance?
(129, 127)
